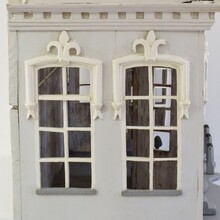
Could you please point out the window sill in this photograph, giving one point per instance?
(66, 191)
(151, 193)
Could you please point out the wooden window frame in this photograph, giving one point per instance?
(63, 59)
(150, 58)
(151, 128)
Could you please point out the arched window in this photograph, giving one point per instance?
(150, 97)
(64, 95)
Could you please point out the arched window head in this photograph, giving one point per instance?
(151, 57)
(65, 55)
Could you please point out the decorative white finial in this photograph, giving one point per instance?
(150, 46)
(64, 45)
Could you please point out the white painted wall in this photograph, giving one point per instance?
(5, 150)
(212, 108)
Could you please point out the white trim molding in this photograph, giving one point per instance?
(150, 57)
(148, 16)
(206, 55)
(63, 59)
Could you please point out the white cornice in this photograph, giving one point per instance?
(187, 17)
(148, 7)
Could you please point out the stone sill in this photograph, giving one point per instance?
(66, 191)
(132, 193)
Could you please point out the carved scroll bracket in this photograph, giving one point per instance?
(96, 109)
(184, 109)
(117, 109)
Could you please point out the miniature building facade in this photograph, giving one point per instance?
(107, 117)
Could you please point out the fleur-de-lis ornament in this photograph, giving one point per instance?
(63, 46)
(150, 46)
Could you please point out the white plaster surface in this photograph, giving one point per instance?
(5, 149)
(212, 109)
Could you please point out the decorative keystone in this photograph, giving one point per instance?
(63, 46)
(150, 46)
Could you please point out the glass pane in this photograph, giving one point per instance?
(51, 113)
(79, 114)
(165, 103)
(165, 144)
(52, 175)
(165, 112)
(137, 83)
(137, 175)
(51, 144)
(137, 113)
(79, 143)
(80, 175)
(137, 143)
(78, 81)
(166, 79)
(50, 81)
(162, 91)
(165, 175)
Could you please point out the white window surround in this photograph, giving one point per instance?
(63, 59)
(150, 58)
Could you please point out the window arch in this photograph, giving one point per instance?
(150, 96)
(64, 95)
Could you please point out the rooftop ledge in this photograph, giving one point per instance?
(205, 6)
(197, 16)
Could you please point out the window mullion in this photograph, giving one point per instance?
(179, 145)
(151, 113)
(65, 126)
